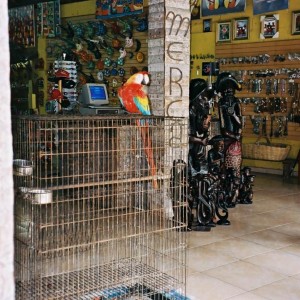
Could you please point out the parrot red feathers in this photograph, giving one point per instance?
(133, 95)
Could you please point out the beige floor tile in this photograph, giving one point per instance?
(272, 200)
(278, 261)
(201, 259)
(290, 197)
(296, 276)
(270, 238)
(269, 193)
(267, 219)
(262, 194)
(294, 204)
(257, 257)
(239, 211)
(202, 287)
(244, 209)
(238, 228)
(292, 249)
(237, 248)
(283, 195)
(245, 275)
(198, 238)
(286, 289)
(292, 229)
(283, 215)
(258, 207)
(259, 196)
(190, 272)
(247, 296)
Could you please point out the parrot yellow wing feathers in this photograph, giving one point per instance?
(133, 94)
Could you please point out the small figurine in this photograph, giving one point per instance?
(122, 52)
(128, 41)
(215, 156)
(246, 184)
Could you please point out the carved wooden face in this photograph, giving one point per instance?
(219, 146)
(128, 42)
(228, 92)
(206, 122)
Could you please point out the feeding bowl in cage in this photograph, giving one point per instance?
(40, 196)
(22, 167)
(24, 191)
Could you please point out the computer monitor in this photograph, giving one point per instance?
(93, 94)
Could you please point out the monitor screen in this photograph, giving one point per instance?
(97, 92)
(93, 94)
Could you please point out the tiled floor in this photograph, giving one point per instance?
(256, 257)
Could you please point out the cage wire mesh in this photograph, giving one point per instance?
(98, 210)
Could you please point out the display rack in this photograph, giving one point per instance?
(94, 215)
(105, 66)
(274, 61)
(71, 68)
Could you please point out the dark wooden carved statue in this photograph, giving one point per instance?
(200, 119)
(230, 119)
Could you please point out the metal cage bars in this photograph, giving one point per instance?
(96, 214)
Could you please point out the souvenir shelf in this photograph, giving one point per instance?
(122, 49)
(269, 73)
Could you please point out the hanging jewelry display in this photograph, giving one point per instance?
(48, 19)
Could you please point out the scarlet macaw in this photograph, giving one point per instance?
(133, 96)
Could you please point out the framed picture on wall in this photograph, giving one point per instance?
(207, 25)
(296, 22)
(224, 31)
(269, 26)
(195, 9)
(221, 7)
(264, 6)
(22, 25)
(241, 29)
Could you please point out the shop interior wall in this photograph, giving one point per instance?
(204, 47)
(81, 13)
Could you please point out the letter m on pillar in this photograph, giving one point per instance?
(177, 23)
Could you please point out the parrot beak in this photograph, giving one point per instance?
(146, 79)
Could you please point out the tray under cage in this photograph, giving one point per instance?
(142, 260)
(117, 280)
(96, 218)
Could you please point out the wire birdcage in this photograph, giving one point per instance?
(95, 212)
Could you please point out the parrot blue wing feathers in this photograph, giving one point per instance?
(144, 109)
(122, 104)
